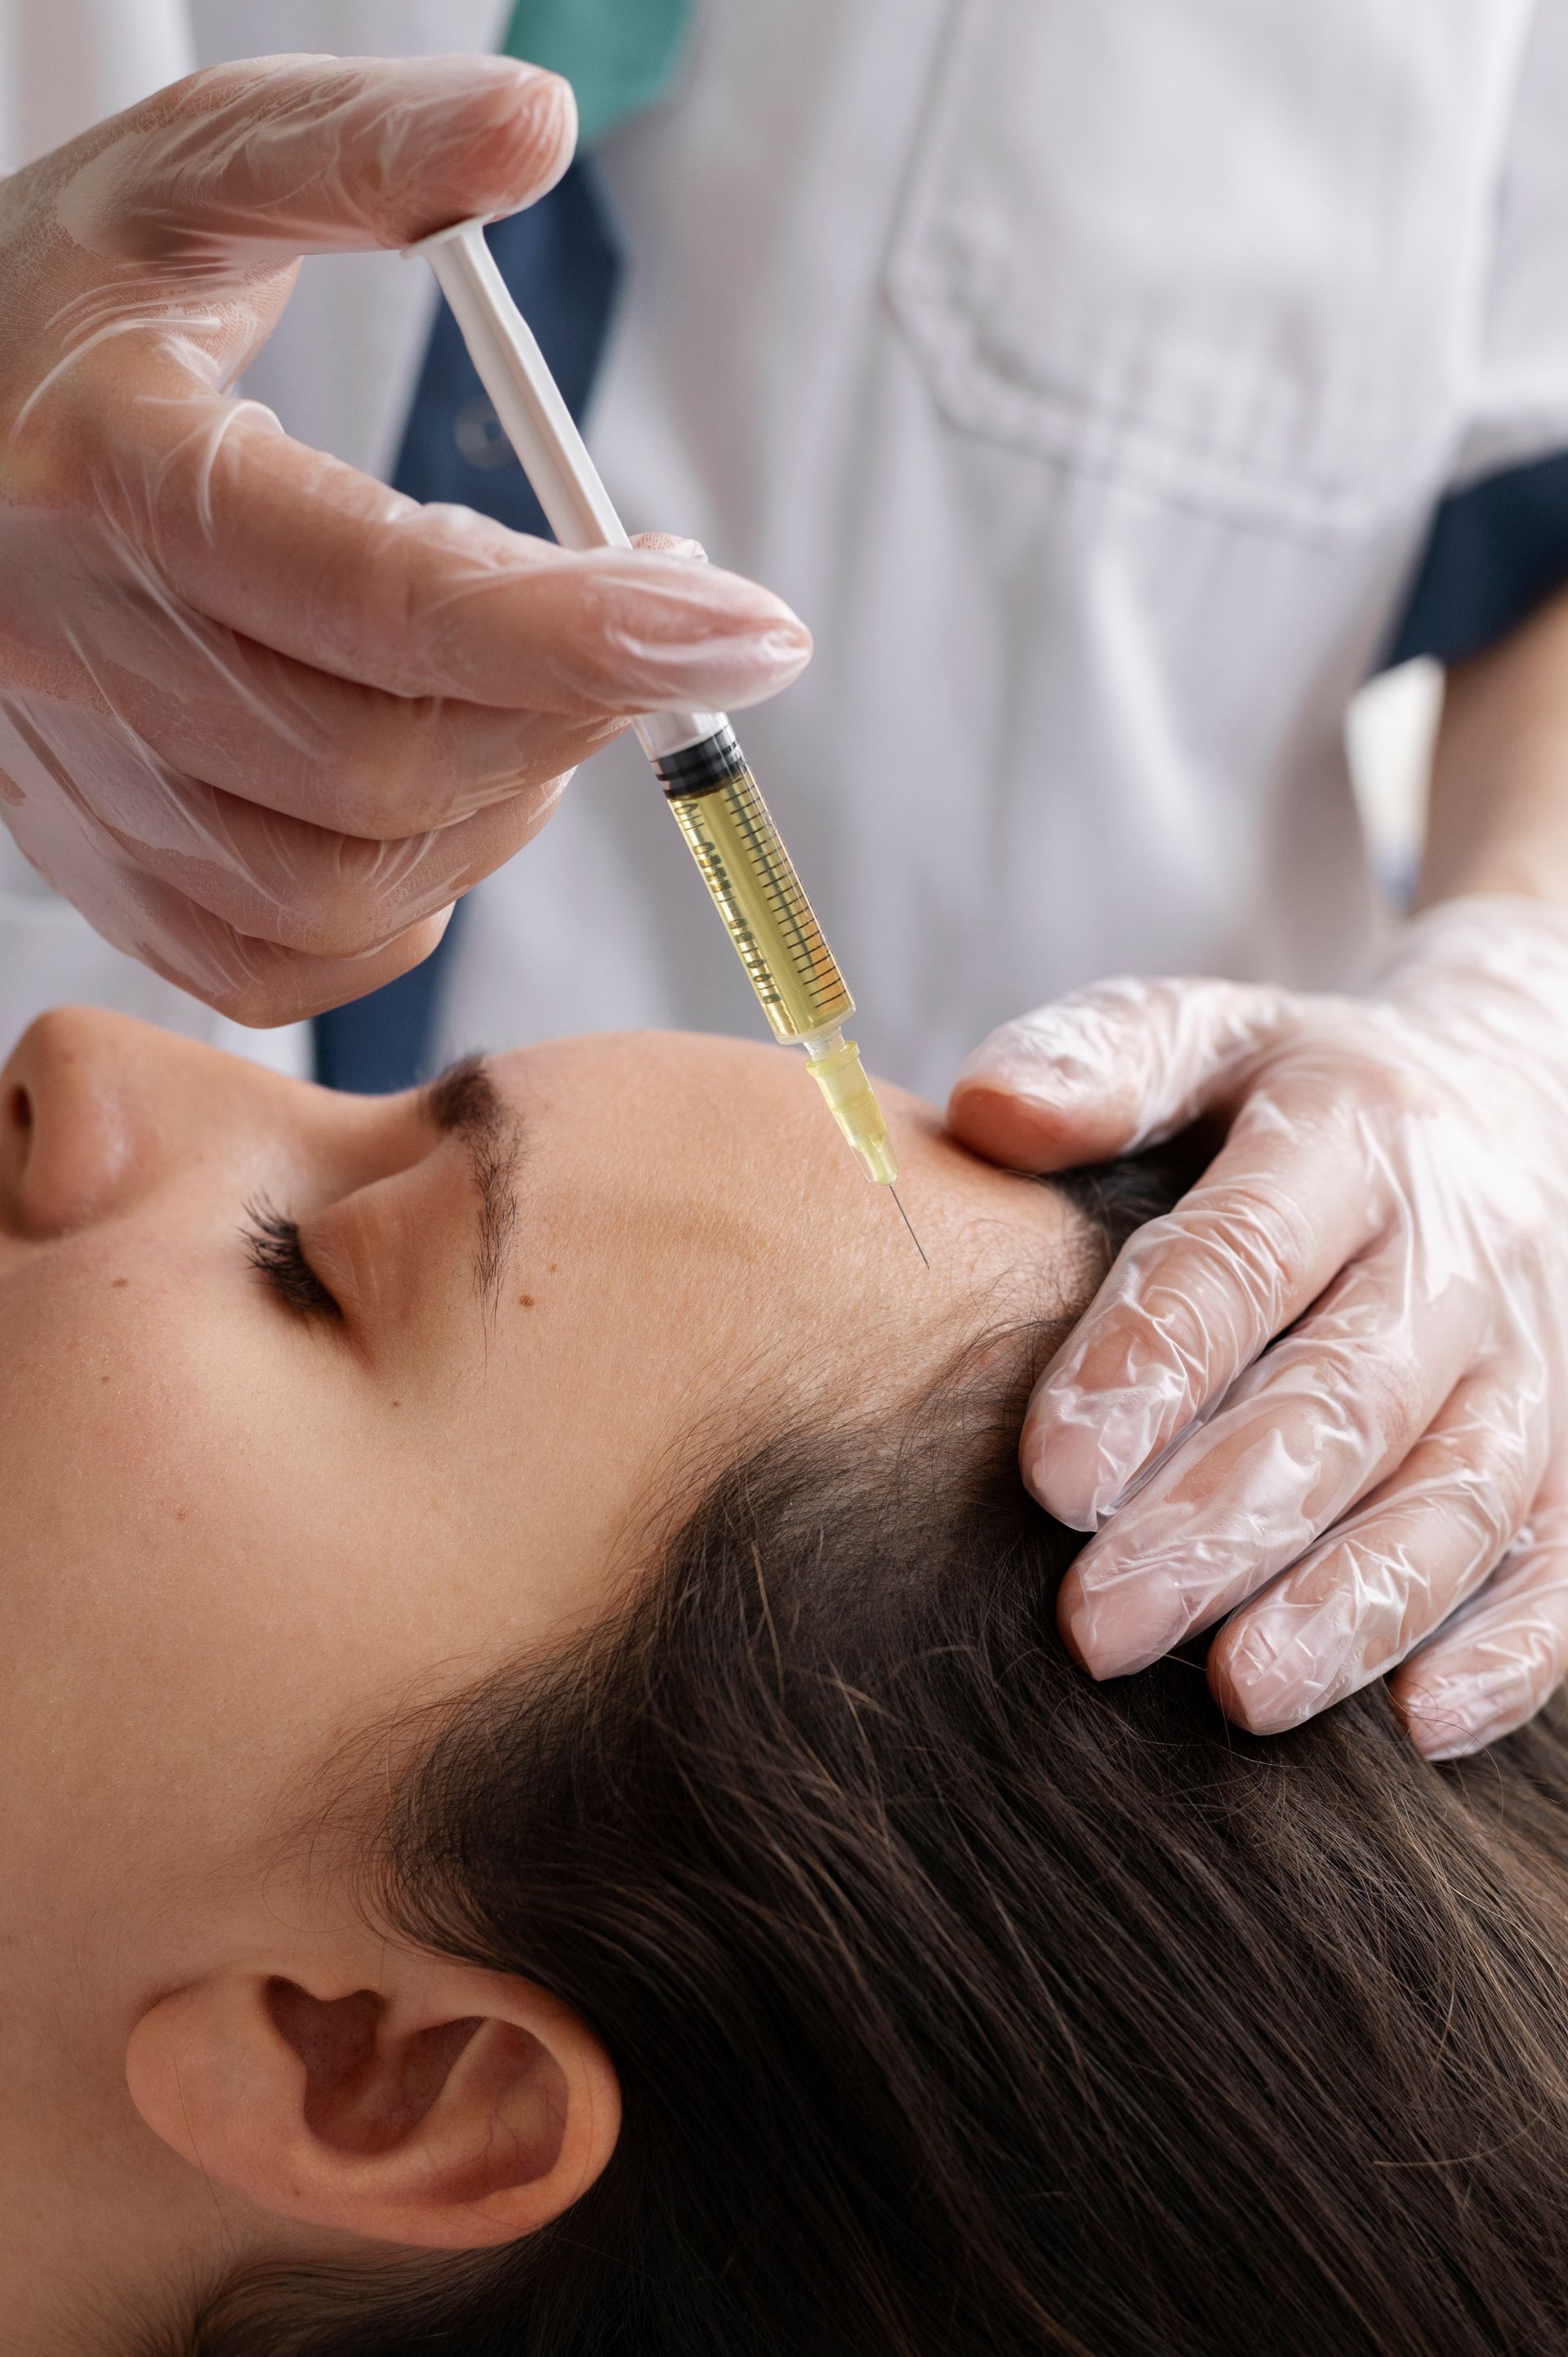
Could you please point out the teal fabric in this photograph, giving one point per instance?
(617, 55)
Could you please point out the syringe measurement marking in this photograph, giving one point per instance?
(792, 923)
(776, 891)
(717, 875)
(781, 900)
(710, 859)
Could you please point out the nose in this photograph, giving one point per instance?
(76, 1119)
(98, 1112)
(93, 1109)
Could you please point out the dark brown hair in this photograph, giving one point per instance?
(964, 2008)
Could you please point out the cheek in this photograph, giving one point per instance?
(203, 1553)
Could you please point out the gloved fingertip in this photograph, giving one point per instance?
(1064, 1469)
(787, 645)
(1271, 1669)
(1024, 1122)
(515, 82)
(481, 67)
(1265, 1707)
(1457, 1745)
(1448, 1738)
(669, 544)
(745, 671)
(519, 133)
(1458, 1718)
(539, 134)
(1115, 1631)
(1070, 1604)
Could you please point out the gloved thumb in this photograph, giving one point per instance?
(304, 154)
(1109, 1069)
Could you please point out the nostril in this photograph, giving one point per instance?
(16, 1143)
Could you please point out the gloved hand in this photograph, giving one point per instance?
(1335, 1379)
(261, 718)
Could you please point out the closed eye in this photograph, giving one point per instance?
(274, 1251)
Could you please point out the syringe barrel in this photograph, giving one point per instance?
(754, 887)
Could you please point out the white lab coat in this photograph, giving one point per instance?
(1086, 377)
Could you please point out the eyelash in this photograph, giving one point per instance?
(275, 1252)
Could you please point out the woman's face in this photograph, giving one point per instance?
(247, 1517)
(243, 1517)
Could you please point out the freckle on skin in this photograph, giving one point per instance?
(182, 1513)
(119, 1281)
(526, 1299)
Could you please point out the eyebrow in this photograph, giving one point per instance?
(464, 1102)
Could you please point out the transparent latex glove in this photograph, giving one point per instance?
(1333, 1381)
(262, 719)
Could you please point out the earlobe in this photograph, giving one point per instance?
(442, 2108)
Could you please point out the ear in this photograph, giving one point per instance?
(420, 2101)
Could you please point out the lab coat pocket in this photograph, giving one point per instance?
(1223, 252)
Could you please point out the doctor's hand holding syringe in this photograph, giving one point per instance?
(261, 718)
(263, 721)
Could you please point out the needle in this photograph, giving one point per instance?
(904, 1215)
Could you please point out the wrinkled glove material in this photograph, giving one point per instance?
(1327, 1394)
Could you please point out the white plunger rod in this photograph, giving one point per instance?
(541, 428)
(526, 397)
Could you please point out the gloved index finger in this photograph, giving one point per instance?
(1194, 1298)
(286, 155)
(306, 555)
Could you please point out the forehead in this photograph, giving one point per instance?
(720, 1088)
(721, 1124)
(724, 1146)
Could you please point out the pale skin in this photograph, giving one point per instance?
(1497, 815)
(238, 1535)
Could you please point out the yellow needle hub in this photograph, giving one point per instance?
(852, 1101)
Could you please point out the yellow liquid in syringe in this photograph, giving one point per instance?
(766, 912)
(767, 915)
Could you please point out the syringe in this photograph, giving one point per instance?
(726, 822)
